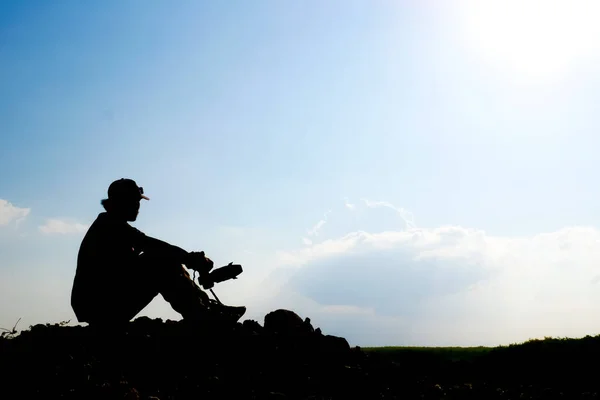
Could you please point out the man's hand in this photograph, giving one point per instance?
(199, 262)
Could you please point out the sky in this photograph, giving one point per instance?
(400, 172)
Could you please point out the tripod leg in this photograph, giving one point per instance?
(216, 298)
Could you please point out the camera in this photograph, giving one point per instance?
(230, 271)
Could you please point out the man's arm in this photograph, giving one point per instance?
(153, 245)
(193, 260)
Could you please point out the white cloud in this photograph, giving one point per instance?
(349, 205)
(406, 216)
(448, 285)
(318, 250)
(314, 231)
(59, 226)
(10, 213)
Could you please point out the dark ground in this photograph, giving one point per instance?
(282, 359)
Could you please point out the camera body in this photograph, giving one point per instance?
(229, 271)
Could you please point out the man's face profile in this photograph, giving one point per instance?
(131, 209)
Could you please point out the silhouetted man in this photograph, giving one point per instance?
(120, 269)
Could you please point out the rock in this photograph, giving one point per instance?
(335, 344)
(284, 322)
(252, 326)
(167, 359)
(307, 325)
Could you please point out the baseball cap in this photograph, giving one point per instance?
(125, 189)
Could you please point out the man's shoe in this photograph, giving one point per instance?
(229, 313)
(236, 312)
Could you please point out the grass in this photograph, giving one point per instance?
(446, 353)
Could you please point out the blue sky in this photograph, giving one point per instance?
(470, 128)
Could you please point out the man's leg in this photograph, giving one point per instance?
(173, 282)
(139, 283)
(154, 274)
(183, 294)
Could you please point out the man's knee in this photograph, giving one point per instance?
(160, 266)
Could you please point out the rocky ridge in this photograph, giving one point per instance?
(153, 359)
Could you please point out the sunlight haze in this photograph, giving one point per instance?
(403, 173)
(532, 41)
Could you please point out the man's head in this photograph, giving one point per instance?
(124, 196)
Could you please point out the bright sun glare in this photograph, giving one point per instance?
(534, 41)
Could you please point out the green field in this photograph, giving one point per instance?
(395, 353)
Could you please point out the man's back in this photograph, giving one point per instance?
(109, 246)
